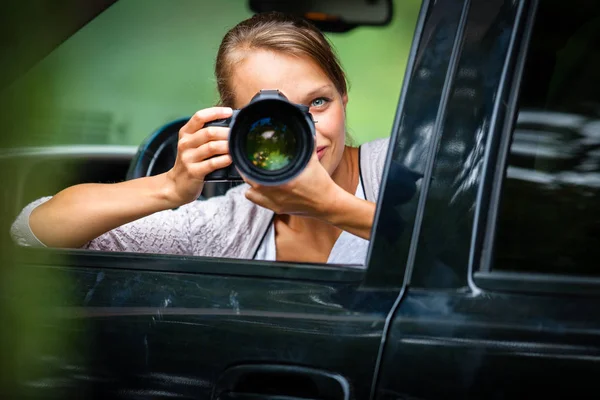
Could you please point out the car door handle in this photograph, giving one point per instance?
(280, 382)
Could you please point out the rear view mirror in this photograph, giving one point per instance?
(332, 15)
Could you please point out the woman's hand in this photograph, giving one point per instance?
(314, 194)
(200, 151)
(310, 194)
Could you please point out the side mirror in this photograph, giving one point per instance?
(332, 15)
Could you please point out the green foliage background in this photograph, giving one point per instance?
(143, 63)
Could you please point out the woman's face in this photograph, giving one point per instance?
(302, 81)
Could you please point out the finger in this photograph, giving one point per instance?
(200, 118)
(256, 197)
(207, 150)
(205, 135)
(245, 178)
(203, 168)
(250, 182)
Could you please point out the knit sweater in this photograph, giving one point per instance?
(224, 226)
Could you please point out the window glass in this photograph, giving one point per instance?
(549, 219)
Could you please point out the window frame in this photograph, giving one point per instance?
(481, 266)
(379, 277)
(172, 263)
(223, 267)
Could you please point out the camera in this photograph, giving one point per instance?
(271, 140)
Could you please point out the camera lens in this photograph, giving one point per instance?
(270, 144)
(271, 140)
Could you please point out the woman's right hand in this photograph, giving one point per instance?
(200, 151)
(80, 213)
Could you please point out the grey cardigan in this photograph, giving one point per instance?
(225, 226)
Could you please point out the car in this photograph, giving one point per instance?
(481, 280)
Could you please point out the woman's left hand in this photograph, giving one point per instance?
(310, 194)
(314, 194)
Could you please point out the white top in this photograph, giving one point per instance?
(348, 248)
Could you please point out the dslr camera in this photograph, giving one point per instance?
(271, 140)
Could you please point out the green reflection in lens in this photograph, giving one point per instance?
(271, 144)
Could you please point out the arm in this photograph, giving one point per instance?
(81, 213)
(351, 214)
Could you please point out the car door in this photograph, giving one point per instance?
(85, 324)
(88, 324)
(502, 282)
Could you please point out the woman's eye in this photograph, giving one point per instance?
(318, 102)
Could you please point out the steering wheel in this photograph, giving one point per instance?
(157, 155)
(158, 152)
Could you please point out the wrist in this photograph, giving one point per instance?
(333, 206)
(163, 189)
(351, 214)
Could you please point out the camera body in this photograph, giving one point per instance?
(230, 173)
(271, 140)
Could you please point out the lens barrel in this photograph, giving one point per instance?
(271, 140)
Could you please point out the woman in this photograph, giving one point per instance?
(323, 215)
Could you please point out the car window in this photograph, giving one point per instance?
(549, 219)
(142, 64)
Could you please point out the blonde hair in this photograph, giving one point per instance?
(277, 32)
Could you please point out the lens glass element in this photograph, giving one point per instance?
(270, 144)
